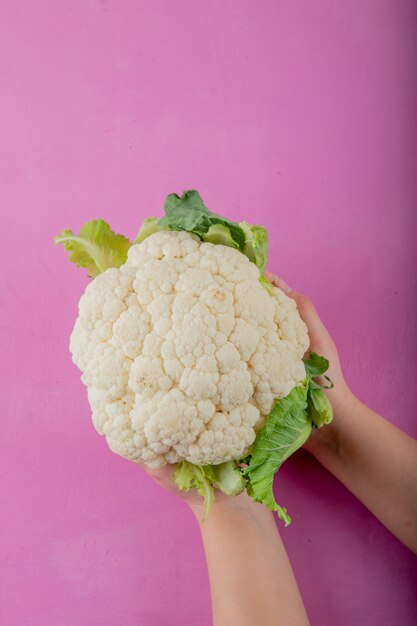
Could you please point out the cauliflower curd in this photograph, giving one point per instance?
(184, 352)
(190, 355)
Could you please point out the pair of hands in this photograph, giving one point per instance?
(320, 342)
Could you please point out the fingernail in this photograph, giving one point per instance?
(279, 282)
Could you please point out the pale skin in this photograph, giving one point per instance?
(375, 460)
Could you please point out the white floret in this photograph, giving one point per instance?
(184, 352)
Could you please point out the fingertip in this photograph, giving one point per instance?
(278, 282)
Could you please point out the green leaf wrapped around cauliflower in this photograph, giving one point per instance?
(190, 355)
(184, 352)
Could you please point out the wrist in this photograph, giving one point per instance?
(340, 396)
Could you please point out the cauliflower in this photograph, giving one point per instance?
(184, 347)
(183, 351)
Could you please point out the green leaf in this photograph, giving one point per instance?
(96, 248)
(235, 230)
(188, 212)
(287, 428)
(188, 476)
(226, 476)
(320, 409)
(220, 234)
(315, 365)
(316, 385)
(256, 244)
(149, 227)
(266, 284)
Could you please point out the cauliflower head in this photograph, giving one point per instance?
(184, 351)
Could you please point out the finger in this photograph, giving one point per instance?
(308, 314)
(278, 282)
(305, 306)
(159, 473)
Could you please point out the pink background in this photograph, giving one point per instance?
(299, 115)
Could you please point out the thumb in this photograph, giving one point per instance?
(306, 309)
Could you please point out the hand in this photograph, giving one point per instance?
(320, 341)
(242, 504)
(163, 477)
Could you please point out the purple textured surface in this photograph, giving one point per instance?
(298, 115)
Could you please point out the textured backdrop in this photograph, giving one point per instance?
(293, 114)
